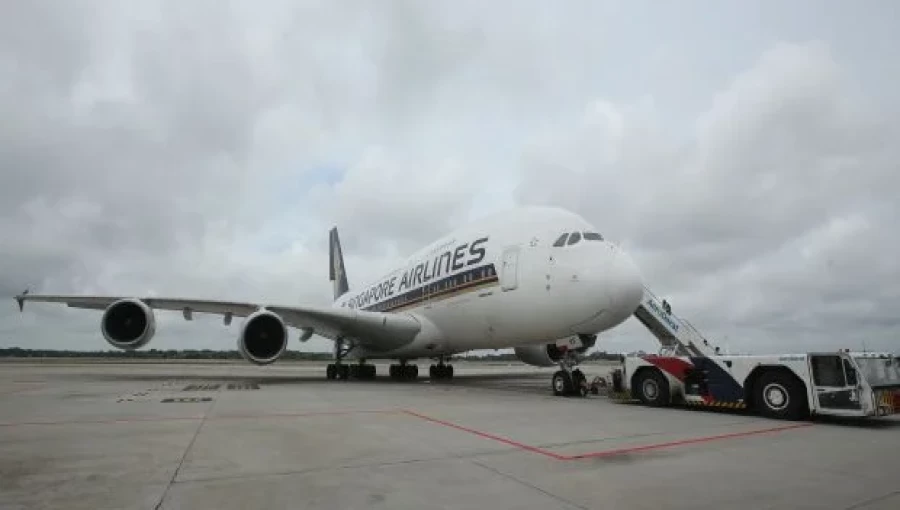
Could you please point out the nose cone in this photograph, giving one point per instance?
(626, 285)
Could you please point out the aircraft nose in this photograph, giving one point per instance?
(626, 287)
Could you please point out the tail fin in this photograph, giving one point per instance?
(336, 273)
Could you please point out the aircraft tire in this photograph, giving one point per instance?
(363, 372)
(331, 372)
(578, 379)
(562, 383)
(439, 372)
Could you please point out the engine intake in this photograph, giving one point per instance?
(543, 355)
(128, 324)
(263, 338)
(547, 355)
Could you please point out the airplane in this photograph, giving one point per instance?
(540, 280)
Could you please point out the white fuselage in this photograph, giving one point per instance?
(500, 282)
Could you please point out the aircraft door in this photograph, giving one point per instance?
(835, 382)
(509, 272)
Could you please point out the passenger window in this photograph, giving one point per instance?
(562, 240)
(574, 238)
(592, 236)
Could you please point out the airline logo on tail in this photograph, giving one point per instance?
(336, 272)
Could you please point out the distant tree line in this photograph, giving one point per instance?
(16, 352)
(594, 356)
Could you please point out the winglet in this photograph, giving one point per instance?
(20, 299)
(336, 271)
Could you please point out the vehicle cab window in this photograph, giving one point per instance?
(850, 374)
(574, 238)
(562, 240)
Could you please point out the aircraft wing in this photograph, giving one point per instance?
(376, 330)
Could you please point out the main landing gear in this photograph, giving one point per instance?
(364, 371)
(339, 370)
(404, 372)
(440, 371)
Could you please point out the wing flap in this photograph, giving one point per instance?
(375, 330)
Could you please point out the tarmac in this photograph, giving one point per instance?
(78, 435)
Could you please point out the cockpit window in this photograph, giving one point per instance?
(592, 236)
(574, 238)
(562, 240)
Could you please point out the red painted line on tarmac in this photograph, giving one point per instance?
(680, 442)
(612, 452)
(488, 436)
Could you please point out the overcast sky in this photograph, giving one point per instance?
(746, 153)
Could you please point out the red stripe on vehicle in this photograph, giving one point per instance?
(675, 367)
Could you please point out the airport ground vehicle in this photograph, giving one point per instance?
(689, 370)
(788, 386)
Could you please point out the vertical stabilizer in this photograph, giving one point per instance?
(336, 273)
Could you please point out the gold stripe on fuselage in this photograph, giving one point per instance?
(470, 286)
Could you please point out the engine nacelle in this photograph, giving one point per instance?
(263, 337)
(128, 324)
(548, 355)
(541, 355)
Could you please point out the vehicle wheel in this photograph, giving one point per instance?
(779, 395)
(652, 388)
(578, 380)
(562, 385)
(343, 371)
(331, 371)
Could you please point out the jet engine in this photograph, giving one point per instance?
(541, 355)
(548, 355)
(263, 337)
(128, 324)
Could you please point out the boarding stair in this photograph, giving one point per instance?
(677, 336)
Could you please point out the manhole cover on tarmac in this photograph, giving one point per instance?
(201, 387)
(243, 386)
(186, 399)
(140, 396)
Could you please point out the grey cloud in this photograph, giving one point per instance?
(174, 148)
(776, 216)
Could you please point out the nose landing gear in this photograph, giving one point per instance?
(570, 381)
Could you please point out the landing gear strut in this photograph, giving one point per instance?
(339, 370)
(441, 370)
(569, 381)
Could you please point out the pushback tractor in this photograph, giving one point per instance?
(689, 370)
(792, 386)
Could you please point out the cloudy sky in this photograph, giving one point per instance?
(745, 152)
